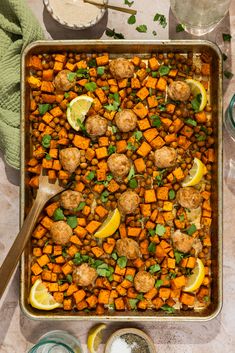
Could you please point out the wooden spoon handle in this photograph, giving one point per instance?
(117, 8)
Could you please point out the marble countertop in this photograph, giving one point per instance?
(17, 332)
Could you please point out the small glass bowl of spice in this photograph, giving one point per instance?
(129, 340)
(76, 14)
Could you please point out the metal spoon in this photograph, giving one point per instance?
(107, 6)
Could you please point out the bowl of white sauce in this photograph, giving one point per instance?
(75, 14)
(129, 340)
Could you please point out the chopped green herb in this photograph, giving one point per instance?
(192, 229)
(58, 215)
(169, 309)
(172, 275)
(131, 173)
(69, 278)
(228, 74)
(224, 56)
(181, 217)
(112, 107)
(71, 76)
(104, 270)
(160, 230)
(72, 221)
(66, 95)
(179, 28)
(171, 194)
(130, 146)
(82, 73)
(206, 299)
(159, 180)
(92, 63)
(122, 261)
(154, 268)
(191, 122)
(133, 303)
(81, 125)
(90, 86)
(80, 206)
(156, 121)
(204, 129)
(129, 3)
(200, 137)
(196, 102)
(152, 232)
(100, 70)
(142, 28)
(109, 177)
(140, 296)
(159, 283)
(46, 140)
(111, 33)
(152, 247)
(131, 20)
(114, 129)
(226, 37)
(133, 183)
(48, 157)
(91, 175)
(105, 88)
(43, 108)
(178, 256)
(154, 74)
(111, 149)
(114, 256)
(129, 278)
(162, 107)
(161, 19)
(97, 263)
(138, 135)
(154, 33)
(104, 196)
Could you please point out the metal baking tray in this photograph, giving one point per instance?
(143, 49)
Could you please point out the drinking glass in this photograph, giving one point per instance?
(229, 120)
(199, 17)
(57, 342)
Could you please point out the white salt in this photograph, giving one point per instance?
(121, 346)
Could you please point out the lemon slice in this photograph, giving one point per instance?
(110, 225)
(95, 337)
(77, 110)
(197, 88)
(195, 174)
(40, 298)
(195, 280)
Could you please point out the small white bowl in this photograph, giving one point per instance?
(75, 26)
(133, 331)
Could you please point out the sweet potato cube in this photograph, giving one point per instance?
(79, 295)
(187, 299)
(43, 260)
(178, 173)
(47, 86)
(58, 66)
(145, 209)
(97, 251)
(36, 269)
(152, 101)
(153, 64)
(140, 165)
(135, 83)
(119, 304)
(157, 143)
(66, 269)
(171, 263)
(143, 124)
(178, 282)
(101, 152)
(150, 134)
(81, 142)
(93, 226)
(205, 69)
(143, 93)
(35, 63)
(150, 196)
(101, 211)
(113, 186)
(144, 149)
(161, 84)
(162, 193)
(103, 141)
(103, 297)
(164, 293)
(151, 82)
(121, 146)
(140, 110)
(158, 303)
(102, 60)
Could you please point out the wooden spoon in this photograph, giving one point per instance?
(107, 6)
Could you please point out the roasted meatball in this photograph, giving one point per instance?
(60, 232)
(182, 242)
(128, 202)
(62, 83)
(189, 197)
(96, 125)
(119, 165)
(70, 199)
(84, 275)
(128, 247)
(144, 281)
(165, 157)
(126, 120)
(179, 91)
(70, 158)
(121, 68)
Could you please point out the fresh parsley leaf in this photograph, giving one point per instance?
(138, 135)
(172, 275)
(200, 137)
(161, 19)
(43, 108)
(58, 215)
(133, 183)
(46, 140)
(104, 196)
(104, 270)
(71, 76)
(105, 88)
(224, 56)
(156, 121)
(228, 74)
(196, 102)
(181, 217)
(111, 149)
(206, 299)
(226, 37)
(131, 173)
(160, 230)
(81, 125)
(114, 256)
(100, 70)
(191, 122)
(192, 229)
(72, 221)
(82, 73)
(66, 95)
(142, 28)
(130, 146)
(80, 206)
(92, 62)
(122, 261)
(169, 309)
(69, 278)
(159, 180)
(179, 28)
(159, 283)
(129, 3)
(152, 232)
(111, 33)
(154, 268)
(90, 175)
(171, 194)
(112, 107)
(164, 70)
(131, 20)
(178, 256)
(129, 278)
(48, 157)
(77, 259)
(162, 107)
(154, 74)
(154, 33)
(140, 296)
(152, 247)
(133, 303)
(90, 86)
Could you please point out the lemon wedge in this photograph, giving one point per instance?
(195, 280)
(197, 88)
(195, 174)
(40, 298)
(110, 225)
(77, 110)
(95, 337)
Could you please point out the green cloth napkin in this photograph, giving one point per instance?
(18, 28)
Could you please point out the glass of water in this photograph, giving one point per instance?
(199, 17)
(57, 342)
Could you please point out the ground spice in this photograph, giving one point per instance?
(129, 343)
